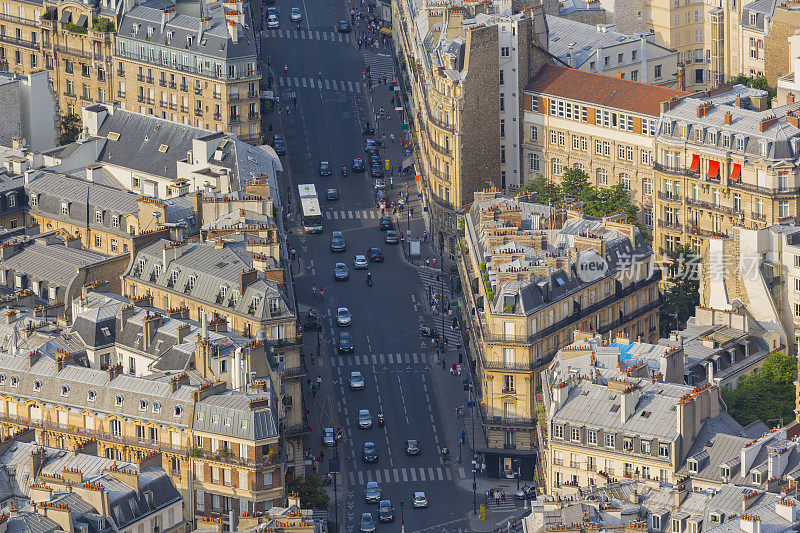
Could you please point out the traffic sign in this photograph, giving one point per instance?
(470, 404)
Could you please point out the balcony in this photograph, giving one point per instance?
(140, 99)
(120, 73)
(149, 80)
(758, 216)
(252, 115)
(226, 456)
(694, 230)
(232, 97)
(766, 191)
(591, 467)
(184, 109)
(151, 100)
(198, 112)
(162, 82)
(140, 77)
(296, 430)
(217, 116)
(507, 421)
(185, 88)
(198, 90)
(217, 96)
(252, 94)
(675, 171)
(234, 118)
(33, 45)
(164, 105)
(675, 226)
(669, 197)
(712, 207)
(172, 85)
(173, 107)
(18, 20)
(510, 365)
(121, 94)
(558, 462)
(47, 425)
(508, 391)
(575, 464)
(294, 372)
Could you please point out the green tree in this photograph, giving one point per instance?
(759, 82)
(546, 191)
(312, 494)
(70, 128)
(683, 294)
(767, 395)
(575, 184)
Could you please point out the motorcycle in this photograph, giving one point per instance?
(381, 421)
(369, 280)
(445, 453)
(344, 170)
(425, 330)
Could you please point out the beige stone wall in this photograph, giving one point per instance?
(777, 60)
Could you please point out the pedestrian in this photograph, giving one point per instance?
(497, 497)
(312, 359)
(314, 290)
(319, 381)
(294, 100)
(427, 259)
(321, 293)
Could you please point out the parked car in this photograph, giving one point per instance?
(277, 143)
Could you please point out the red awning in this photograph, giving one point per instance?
(713, 169)
(737, 172)
(695, 163)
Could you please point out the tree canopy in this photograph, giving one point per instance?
(70, 128)
(312, 494)
(683, 294)
(758, 82)
(575, 184)
(767, 395)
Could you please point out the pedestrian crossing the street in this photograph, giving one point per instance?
(379, 64)
(314, 83)
(389, 359)
(401, 475)
(432, 285)
(310, 35)
(344, 215)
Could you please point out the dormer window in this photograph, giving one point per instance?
(156, 407)
(725, 473)
(65, 390)
(150, 31)
(15, 381)
(169, 36)
(191, 282)
(98, 217)
(91, 395)
(740, 144)
(135, 29)
(755, 477)
(143, 405)
(119, 400)
(177, 411)
(712, 137)
(726, 140)
(64, 209)
(37, 386)
(684, 130)
(256, 302)
(174, 275)
(692, 463)
(698, 135)
(667, 127)
(189, 40)
(142, 263)
(115, 221)
(223, 291)
(764, 148)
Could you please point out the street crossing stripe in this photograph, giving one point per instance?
(352, 478)
(396, 477)
(386, 476)
(311, 82)
(318, 36)
(324, 36)
(439, 471)
(360, 477)
(304, 81)
(378, 476)
(327, 84)
(421, 474)
(461, 472)
(430, 473)
(296, 82)
(413, 475)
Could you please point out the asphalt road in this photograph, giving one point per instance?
(397, 363)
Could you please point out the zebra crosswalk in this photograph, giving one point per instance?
(401, 475)
(312, 35)
(298, 82)
(379, 64)
(353, 214)
(380, 359)
(434, 286)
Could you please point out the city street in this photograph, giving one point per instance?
(319, 76)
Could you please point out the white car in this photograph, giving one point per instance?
(364, 419)
(272, 22)
(343, 317)
(296, 15)
(360, 262)
(420, 500)
(356, 381)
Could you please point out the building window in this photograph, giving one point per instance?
(65, 209)
(783, 208)
(558, 431)
(501, 77)
(591, 436)
(663, 450)
(533, 162)
(534, 133)
(575, 434)
(647, 186)
(505, 51)
(502, 102)
(610, 440)
(553, 137)
(561, 138)
(625, 181)
(645, 447)
(647, 215)
(556, 164)
(502, 128)
(98, 241)
(602, 177)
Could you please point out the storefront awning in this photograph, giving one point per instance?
(713, 169)
(736, 175)
(386, 31)
(695, 163)
(408, 161)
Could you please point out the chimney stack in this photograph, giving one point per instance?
(729, 117)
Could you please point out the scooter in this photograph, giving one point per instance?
(344, 170)
(381, 421)
(425, 330)
(369, 280)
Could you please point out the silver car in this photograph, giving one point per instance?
(356, 381)
(296, 15)
(343, 317)
(364, 419)
(360, 262)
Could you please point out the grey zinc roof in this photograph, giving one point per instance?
(140, 137)
(55, 262)
(245, 423)
(240, 219)
(81, 380)
(746, 125)
(763, 9)
(217, 42)
(213, 267)
(571, 38)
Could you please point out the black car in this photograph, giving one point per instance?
(385, 223)
(392, 237)
(332, 194)
(371, 147)
(346, 342)
(343, 26)
(358, 164)
(376, 171)
(337, 242)
(375, 255)
(324, 168)
(412, 447)
(278, 145)
(370, 453)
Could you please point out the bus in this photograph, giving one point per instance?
(309, 204)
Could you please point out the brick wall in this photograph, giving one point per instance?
(480, 118)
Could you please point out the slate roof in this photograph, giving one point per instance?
(580, 42)
(600, 90)
(764, 11)
(746, 125)
(71, 189)
(215, 42)
(213, 412)
(140, 137)
(53, 262)
(213, 267)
